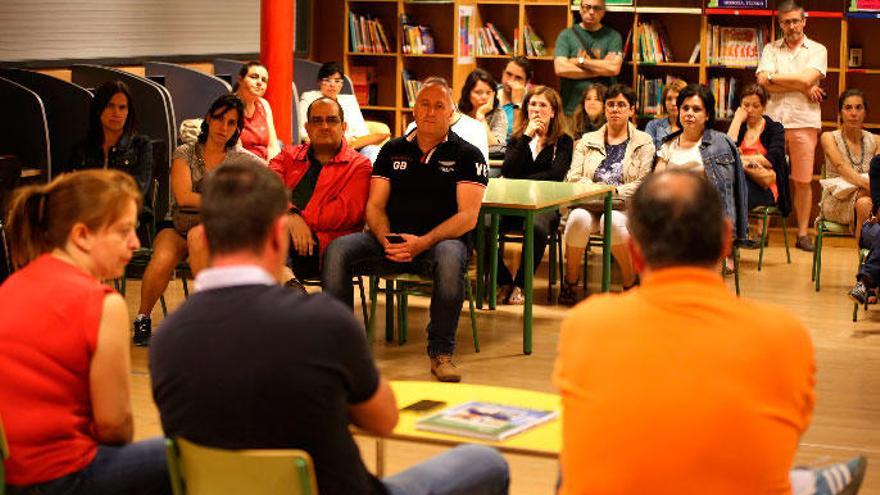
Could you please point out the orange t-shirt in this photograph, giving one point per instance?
(679, 387)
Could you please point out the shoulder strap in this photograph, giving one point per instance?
(581, 38)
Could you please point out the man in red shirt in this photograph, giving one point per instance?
(329, 182)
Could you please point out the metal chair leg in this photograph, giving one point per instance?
(818, 255)
(389, 310)
(763, 239)
(785, 236)
(736, 268)
(470, 296)
(402, 307)
(360, 284)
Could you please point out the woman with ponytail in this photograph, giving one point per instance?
(64, 396)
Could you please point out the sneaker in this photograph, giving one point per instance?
(143, 331)
(444, 369)
(841, 479)
(859, 293)
(804, 243)
(568, 294)
(296, 286)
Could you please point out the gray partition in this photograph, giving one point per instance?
(227, 69)
(305, 75)
(294, 131)
(67, 110)
(191, 91)
(24, 132)
(151, 100)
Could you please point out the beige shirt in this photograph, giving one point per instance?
(793, 108)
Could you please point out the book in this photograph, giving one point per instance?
(695, 53)
(653, 42)
(366, 35)
(736, 45)
(485, 421)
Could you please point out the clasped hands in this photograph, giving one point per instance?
(404, 252)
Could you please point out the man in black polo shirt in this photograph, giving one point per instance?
(425, 196)
(247, 364)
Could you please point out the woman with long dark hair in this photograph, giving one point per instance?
(112, 140)
(64, 389)
(479, 100)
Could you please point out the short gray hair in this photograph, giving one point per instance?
(787, 6)
(437, 81)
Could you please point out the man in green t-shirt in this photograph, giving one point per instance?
(586, 53)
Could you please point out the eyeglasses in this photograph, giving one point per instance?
(594, 8)
(331, 121)
(330, 80)
(611, 105)
(791, 22)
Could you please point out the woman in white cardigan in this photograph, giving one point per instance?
(618, 155)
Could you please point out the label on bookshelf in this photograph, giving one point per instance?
(738, 4)
(865, 6)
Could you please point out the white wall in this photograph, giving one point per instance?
(88, 29)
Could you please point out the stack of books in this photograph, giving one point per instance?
(650, 93)
(417, 40)
(364, 81)
(533, 43)
(725, 90)
(653, 43)
(367, 35)
(736, 45)
(491, 42)
(410, 88)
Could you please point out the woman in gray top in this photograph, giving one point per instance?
(217, 145)
(479, 101)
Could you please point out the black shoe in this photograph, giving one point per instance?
(750, 244)
(143, 331)
(859, 293)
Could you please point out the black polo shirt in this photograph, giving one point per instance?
(423, 185)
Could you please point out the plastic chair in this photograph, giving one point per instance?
(402, 286)
(198, 470)
(763, 213)
(825, 228)
(358, 281)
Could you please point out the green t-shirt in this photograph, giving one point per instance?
(601, 42)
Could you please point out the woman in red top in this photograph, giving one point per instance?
(258, 135)
(64, 396)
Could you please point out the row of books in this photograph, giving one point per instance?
(364, 81)
(491, 42)
(736, 45)
(417, 40)
(411, 88)
(653, 43)
(533, 43)
(725, 90)
(366, 35)
(650, 94)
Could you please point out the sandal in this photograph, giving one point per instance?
(503, 294)
(568, 293)
(517, 297)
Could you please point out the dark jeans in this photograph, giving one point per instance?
(869, 272)
(305, 267)
(445, 264)
(758, 196)
(544, 224)
(136, 469)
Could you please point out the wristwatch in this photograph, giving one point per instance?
(580, 60)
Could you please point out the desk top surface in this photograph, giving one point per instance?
(538, 194)
(543, 440)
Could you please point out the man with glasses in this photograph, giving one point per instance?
(791, 69)
(329, 182)
(586, 53)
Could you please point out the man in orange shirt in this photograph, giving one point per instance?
(679, 387)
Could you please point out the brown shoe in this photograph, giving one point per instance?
(804, 243)
(568, 293)
(444, 369)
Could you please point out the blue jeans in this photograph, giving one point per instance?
(464, 470)
(136, 469)
(869, 272)
(445, 263)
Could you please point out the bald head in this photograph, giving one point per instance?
(676, 219)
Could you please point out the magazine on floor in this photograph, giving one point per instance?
(485, 421)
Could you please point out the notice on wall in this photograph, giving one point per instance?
(465, 34)
(865, 6)
(738, 4)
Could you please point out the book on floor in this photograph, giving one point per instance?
(484, 421)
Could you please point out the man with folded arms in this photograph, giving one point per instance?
(679, 386)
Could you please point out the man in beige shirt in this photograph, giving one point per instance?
(791, 69)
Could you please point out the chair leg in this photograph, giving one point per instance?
(736, 268)
(763, 239)
(470, 296)
(374, 296)
(360, 284)
(785, 236)
(185, 286)
(402, 307)
(855, 312)
(818, 254)
(561, 260)
(164, 306)
(389, 310)
(551, 271)
(586, 261)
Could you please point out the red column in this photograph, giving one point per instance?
(276, 53)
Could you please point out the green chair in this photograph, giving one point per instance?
(358, 281)
(4, 454)
(825, 228)
(400, 287)
(556, 261)
(863, 253)
(198, 470)
(763, 213)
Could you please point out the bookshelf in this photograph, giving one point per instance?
(688, 22)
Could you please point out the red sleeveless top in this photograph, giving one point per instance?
(255, 135)
(49, 316)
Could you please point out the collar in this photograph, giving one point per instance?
(232, 276)
(343, 156)
(426, 157)
(597, 137)
(682, 274)
(780, 43)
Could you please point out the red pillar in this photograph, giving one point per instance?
(276, 53)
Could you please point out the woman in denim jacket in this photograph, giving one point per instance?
(619, 155)
(700, 148)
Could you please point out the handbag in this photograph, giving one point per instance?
(597, 205)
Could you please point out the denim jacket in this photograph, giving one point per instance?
(132, 154)
(724, 169)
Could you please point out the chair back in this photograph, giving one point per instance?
(192, 91)
(24, 132)
(305, 76)
(199, 470)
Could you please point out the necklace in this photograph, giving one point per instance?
(855, 164)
